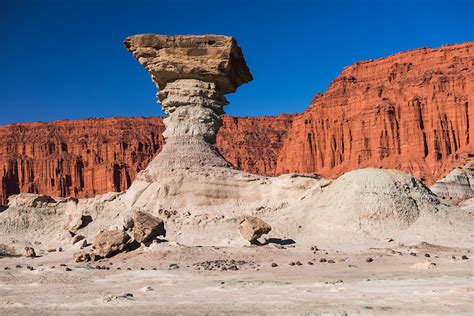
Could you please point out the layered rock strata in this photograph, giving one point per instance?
(411, 111)
(202, 201)
(192, 73)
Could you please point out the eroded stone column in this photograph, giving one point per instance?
(192, 73)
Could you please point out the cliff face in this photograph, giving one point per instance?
(411, 111)
(93, 156)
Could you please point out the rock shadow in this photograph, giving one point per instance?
(279, 241)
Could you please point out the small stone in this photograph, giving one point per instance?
(68, 269)
(82, 256)
(292, 263)
(77, 238)
(51, 250)
(147, 289)
(331, 261)
(60, 249)
(453, 257)
(30, 268)
(298, 263)
(63, 265)
(369, 259)
(173, 266)
(29, 252)
(18, 266)
(6, 268)
(310, 263)
(427, 255)
(412, 253)
(322, 260)
(274, 265)
(464, 257)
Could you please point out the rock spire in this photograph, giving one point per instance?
(192, 73)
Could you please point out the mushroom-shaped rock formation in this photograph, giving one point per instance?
(192, 73)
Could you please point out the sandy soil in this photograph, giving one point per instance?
(395, 282)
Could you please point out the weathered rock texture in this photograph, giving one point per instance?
(192, 74)
(89, 157)
(411, 111)
(458, 185)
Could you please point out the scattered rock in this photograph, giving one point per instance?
(252, 228)
(331, 261)
(274, 265)
(110, 242)
(322, 260)
(369, 259)
(413, 254)
(147, 289)
(424, 265)
(173, 266)
(464, 257)
(51, 250)
(77, 238)
(298, 263)
(82, 256)
(110, 298)
(68, 269)
(310, 263)
(223, 265)
(427, 255)
(29, 252)
(147, 227)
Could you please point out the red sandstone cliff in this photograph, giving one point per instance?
(411, 111)
(93, 156)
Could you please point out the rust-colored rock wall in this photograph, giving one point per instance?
(93, 156)
(411, 111)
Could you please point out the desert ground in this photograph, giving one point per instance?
(169, 278)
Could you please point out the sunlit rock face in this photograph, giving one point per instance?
(192, 73)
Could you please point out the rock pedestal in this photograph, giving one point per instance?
(192, 73)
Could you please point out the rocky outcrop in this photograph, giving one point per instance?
(192, 73)
(411, 111)
(458, 185)
(89, 157)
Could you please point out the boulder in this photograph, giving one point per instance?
(147, 226)
(108, 243)
(29, 252)
(252, 228)
(74, 217)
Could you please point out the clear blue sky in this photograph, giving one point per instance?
(65, 59)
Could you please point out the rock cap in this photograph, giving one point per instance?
(210, 58)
